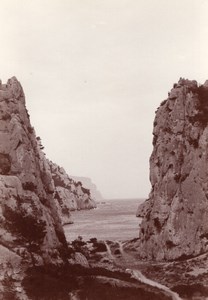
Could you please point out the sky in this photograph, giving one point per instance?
(95, 71)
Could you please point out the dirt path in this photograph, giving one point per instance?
(128, 260)
(138, 275)
(110, 255)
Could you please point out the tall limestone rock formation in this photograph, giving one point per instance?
(36, 197)
(29, 224)
(36, 194)
(175, 217)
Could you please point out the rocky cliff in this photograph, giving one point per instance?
(36, 194)
(69, 194)
(29, 224)
(87, 182)
(36, 197)
(175, 216)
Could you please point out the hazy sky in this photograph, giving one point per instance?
(94, 72)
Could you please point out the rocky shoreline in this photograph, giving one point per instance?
(91, 283)
(108, 270)
(188, 278)
(89, 272)
(169, 260)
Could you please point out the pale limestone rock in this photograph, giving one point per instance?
(36, 196)
(87, 182)
(30, 228)
(26, 185)
(175, 216)
(69, 194)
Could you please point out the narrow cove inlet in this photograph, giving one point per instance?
(101, 235)
(111, 220)
(107, 253)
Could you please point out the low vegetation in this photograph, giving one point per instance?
(86, 283)
(27, 229)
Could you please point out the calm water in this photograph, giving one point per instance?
(111, 220)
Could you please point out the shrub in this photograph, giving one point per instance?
(86, 191)
(204, 235)
(30, 186)
(93, 240)
(70, 251)
(58, 181)
(30, 129)
(6, 117)
(170, 244)
(155, 137)
(9, 291)
(43, 200)
(26, 227)
(163, 102)
(100, 247)
(78, 183)
(78, 244)
(202, 115)
(157, 224)
(177, 177)
(194, 143)
(117, 252)
(5, 164)
(65, 210)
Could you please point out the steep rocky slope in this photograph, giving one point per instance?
(87, 182)
(34, 256)
(31, 186)
(30, 228)
(175, 216)
(69, 194)
(36, 196)
(29, 223)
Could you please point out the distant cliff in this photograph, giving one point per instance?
(87, 182)
(175, 216)
(69, 194)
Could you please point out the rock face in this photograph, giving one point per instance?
(36, 197)
(87, 182)
(69, 194)
(175, 216)
(29, 223)
(36, 194)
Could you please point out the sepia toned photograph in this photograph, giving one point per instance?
(104, 150)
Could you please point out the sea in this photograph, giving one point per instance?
(112, 220)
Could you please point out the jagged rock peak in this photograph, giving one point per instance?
(174, 224)
(29, 223)
(30, 184)
(36, 196)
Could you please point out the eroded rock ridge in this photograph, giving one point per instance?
(29, 224)
(175, 216)
(87, 182)
(69, 194)
(36, 196)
